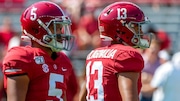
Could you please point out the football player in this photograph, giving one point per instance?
(40, 72)
(113, 71)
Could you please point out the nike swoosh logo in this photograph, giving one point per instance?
(64, 69)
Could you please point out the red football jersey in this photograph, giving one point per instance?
(103, 65)
(48, 77)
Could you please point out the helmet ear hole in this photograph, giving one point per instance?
(35, 30)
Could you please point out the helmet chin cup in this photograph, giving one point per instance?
(51, 42)
(143, 44)
(141, 41)
(55, 46)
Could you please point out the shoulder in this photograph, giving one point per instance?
(18, 53)
(122, 58)
(17, 60)
(127, 52)
(20, 49)
(128, 59)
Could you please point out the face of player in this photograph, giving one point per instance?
(144, 40)
(59, 36)
(58, 30)
(137, 28)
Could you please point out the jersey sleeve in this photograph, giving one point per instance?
(129, 61)
(16, 62)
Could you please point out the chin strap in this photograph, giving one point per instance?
(28, 37)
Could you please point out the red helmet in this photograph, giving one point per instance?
(117, 23)
(38, 19)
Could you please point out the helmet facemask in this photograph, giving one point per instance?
(139, 39)
(58, 35)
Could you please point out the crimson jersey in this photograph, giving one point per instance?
(48, 77)
(103, 65)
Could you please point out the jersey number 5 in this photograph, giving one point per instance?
(53, 91)
(94, 85)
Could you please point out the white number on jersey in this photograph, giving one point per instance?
(95, 68)
(53, 91)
